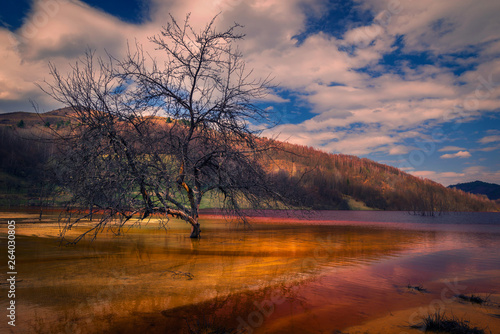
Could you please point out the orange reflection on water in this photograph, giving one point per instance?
(275, 278)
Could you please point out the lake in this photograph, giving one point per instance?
(323, 272)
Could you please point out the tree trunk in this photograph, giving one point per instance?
(195, 231)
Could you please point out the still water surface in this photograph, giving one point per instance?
(312, 273)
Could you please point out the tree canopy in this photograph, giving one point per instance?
(120, 157)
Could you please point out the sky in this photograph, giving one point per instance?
(412, 84)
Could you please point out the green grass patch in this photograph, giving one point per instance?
(357, 205)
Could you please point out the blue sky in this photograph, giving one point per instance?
(413, 84)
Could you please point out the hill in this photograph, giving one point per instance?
(490, 190)
(22, 119)
(332, 179)
(319, 179)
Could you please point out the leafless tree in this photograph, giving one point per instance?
(122, 158)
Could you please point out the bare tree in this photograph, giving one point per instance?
(123, 159)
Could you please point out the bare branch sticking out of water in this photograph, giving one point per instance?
(418, 288)
(474, 299)
(176, 274)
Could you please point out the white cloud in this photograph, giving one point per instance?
(445, 178)
(398, 150)
(489, 139)
(451, 148)
(460, 154)
(488, 149)
(440, 26)
(61, 31)
(427, 95)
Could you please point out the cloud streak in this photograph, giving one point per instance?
(489, 139)
(460, 154)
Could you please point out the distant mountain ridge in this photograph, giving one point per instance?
(491, 190)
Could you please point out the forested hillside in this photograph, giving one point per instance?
(317, 179)
(331, 178)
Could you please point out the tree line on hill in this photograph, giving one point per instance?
(314, 178)
(326, 179)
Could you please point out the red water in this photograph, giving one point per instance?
(309, 274)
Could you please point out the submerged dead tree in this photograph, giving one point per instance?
(120, 158)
